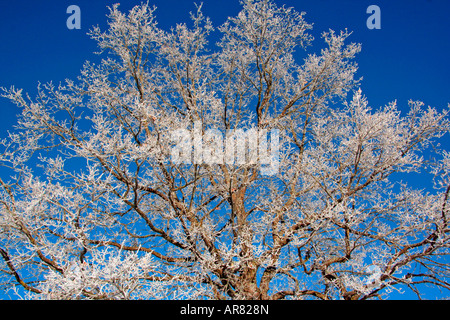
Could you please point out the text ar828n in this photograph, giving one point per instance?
(247, 309)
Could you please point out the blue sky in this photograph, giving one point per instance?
(408, 58)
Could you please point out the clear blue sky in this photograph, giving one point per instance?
(408, 58)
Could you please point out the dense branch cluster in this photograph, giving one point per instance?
(92, 205)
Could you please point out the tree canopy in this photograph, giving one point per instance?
(250, 168)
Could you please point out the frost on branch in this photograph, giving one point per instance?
(94, 205)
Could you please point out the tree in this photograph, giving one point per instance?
(136, 182)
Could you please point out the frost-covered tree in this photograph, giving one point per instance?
(95, 205)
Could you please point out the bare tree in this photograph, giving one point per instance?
(96, 205)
